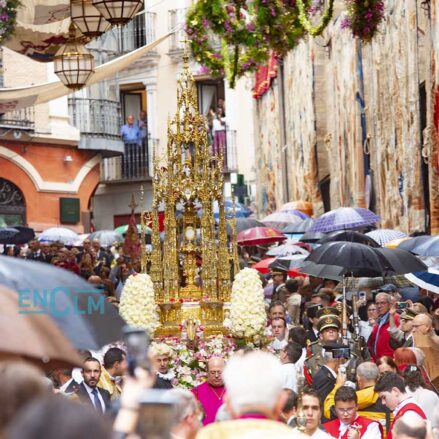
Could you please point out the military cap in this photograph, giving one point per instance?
(277, 271)
(328, 311)
(409, 314)
(328, 321)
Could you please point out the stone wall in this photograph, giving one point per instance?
(360, 115)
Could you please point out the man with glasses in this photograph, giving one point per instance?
(211, 393)
(348, 424)
(379, 340)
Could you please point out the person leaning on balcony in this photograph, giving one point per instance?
(130, 132)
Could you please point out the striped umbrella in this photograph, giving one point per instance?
(383, 236)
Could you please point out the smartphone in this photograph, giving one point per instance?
(341, 353)
(401, 305)
(137, 343)
(362, 295)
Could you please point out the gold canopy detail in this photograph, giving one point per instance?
(192, 268)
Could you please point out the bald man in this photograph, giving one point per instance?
(211, 393)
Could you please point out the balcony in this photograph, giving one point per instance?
(137, 33)
(133, 165)
(23, 119)
(98, 121)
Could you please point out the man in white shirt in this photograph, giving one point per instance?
(88, 391)
(288, 357)
(348, 424)
(279, 329)
(309, 413)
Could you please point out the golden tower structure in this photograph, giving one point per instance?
(192, 268)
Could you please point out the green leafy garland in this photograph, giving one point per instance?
(304, 20)
(8, 18)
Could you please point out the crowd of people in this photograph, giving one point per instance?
(323, 373)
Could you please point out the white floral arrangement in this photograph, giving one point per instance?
(137, 305)
(248, 318)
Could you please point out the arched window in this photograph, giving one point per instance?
(12, 204)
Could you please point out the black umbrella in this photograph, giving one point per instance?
(335, 272)
(349, 236)
(80, 311)
(25, 234)
(400, 261)
(7, 233)
(410, 244)
(312, 236)
(286, 263)
(352, 256)
(301, 227)
(429, 247)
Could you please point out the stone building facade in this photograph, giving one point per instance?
(352, 124)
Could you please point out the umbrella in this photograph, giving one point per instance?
(67, 236)
(106, 237)
(301, 227)
(344, 218)
(259, 236)
(303, 206)
(241, 211)
(33, 336)
(6, 234)
(348, 236)
(411, 243)
(312, 237)
(333, 272)
(400, 261)
(352, 256)
(384, 236)
(286, 263)
(287, 249)
(25, 234)
(80, 311)
(263, 266)
(428, 280)
(244, 224)
(123, 229)
(395, 243)
(296, 212)
(428, 248)
(280, 220)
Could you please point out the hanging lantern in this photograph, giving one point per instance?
(74, 64)
(87, 18)
(118, 11)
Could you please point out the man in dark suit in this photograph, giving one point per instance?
(313, 333)
(88, 391)
(326, 377)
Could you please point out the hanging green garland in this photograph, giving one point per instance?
(305, 22)
(8, 17)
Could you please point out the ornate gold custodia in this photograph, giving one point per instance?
(192, 266)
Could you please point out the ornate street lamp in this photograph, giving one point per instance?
(118, 11)
(74, 64)
(87, 18)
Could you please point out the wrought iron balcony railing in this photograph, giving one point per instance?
(98, 121)
(137, 33)
(23, 119)
(134, 164)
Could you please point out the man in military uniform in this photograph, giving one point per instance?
(329, 326)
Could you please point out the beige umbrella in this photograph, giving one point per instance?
(34, 337)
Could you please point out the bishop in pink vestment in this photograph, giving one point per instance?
(211, 393)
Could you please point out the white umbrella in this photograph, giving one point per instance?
(67, 236)
(383, 236)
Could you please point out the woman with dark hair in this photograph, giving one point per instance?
(386, 364)
(416, 387)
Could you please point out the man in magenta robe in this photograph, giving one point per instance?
(211, 393)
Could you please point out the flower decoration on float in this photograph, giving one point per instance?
(8, 18)
(248, 318)
(363, 18)
(137, 305)
(307, 8)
